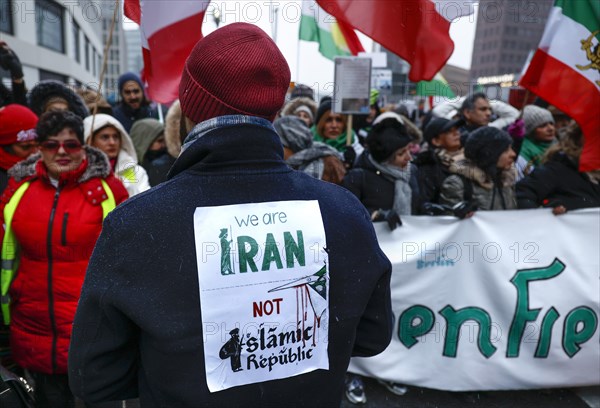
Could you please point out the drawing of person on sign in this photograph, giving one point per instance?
(225, 255)
(232, 350)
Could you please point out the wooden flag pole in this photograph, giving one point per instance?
(349, 132)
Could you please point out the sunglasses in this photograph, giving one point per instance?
(70, 146)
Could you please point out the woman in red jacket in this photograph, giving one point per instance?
(52, 212)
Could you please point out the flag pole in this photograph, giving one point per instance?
(349, 132)
(105, 61)
(298, 61)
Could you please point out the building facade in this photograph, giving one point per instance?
(507, 32)
(116, 63)
(60, 40)
(135, 61)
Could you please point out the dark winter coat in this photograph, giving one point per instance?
(558, 182)
(137, 330)
(157, 168)
(432, 173)
(56, 231)
(126, 115)
(374, 190)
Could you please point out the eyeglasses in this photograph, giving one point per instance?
(70, 146)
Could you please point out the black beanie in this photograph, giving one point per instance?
(485, 145)
(324, 106)
(385, 138)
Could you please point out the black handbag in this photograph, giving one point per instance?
(15, 392)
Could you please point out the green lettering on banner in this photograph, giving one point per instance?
(271, 254)
(572, 337)
(522, 312)
(456, 318)
(408, 332)
(294, 248)
(543, 347)
(247, 255)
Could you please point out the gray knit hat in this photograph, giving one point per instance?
(534, 116)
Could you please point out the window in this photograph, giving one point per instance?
(87, 54)
(49, 22)
(52, 75)
(94, 62)
(6, 24)
(76, 43)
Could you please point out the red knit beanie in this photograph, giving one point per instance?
(17, 124)
(236, 70)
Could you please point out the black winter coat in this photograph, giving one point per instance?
(127, 116)
(431, 175)
(558, 182)
(137, 330)
(374, 190)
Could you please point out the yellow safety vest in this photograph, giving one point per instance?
(10, 245)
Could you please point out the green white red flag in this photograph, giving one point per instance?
(565, 70)
(335, 38)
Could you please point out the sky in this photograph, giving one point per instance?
(281, 20)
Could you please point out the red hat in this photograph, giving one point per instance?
(235, 70)
(17, 124)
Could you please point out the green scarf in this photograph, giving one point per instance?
(532, 151)
(338, 143)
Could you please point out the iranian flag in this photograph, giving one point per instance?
(565, 70)
(438, 86)
(418, 31)
(335, 38)
(169, 31)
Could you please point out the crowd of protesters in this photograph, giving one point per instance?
(68, 157)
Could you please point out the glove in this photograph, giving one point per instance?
(349, 156)
(463, 209)
(430, 208)
(390, 216)
(10, 62)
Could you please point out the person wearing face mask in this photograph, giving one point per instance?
(540, 134)
(148, 136)
(52, 213)
(486, 177)
(107, 134)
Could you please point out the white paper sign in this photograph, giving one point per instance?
(264, 291)
(352, 89)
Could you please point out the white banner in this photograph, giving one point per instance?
(503, 300)
(264, 289)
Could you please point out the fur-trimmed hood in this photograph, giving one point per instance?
(469, 170)
(295, 103)
(98, 166)
(44, 90)
(103, 120)
(172, 124)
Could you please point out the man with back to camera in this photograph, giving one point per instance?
(305, 284)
